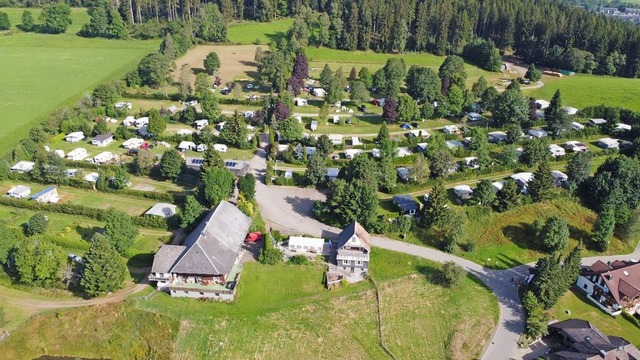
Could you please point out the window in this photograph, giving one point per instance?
(216, 294)
(201, 294)
(353, 239)
(346, 262)
(412, 212)
(585, 286)
(358, 263)
(186, 292)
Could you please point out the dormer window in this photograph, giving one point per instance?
(353, 239)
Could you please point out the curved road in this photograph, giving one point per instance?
(289, 210)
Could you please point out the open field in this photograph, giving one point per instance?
(580, 307)
(236, 61)
(589, 90)
(79, 17)
(43, 72)
(248, 31)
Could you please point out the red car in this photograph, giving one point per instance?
(254, 236)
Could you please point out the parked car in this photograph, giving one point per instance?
(415, 124)
(254, 236)
(249, 86)
(406, 126)
(225, 91)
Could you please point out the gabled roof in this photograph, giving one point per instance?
(166, 257)
(406, 202)
(162, 209)
(43, 192)
(587, 342)
(354, 229)
(102, 137)
(622, 279)
(212, 248)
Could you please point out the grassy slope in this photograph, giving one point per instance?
(247, 32)
(42, 72)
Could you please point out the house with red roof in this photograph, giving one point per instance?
(614, 286)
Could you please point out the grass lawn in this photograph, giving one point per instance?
(44, 72)
(248, 31)
(590, 90)
(502, 240)
(580, 307)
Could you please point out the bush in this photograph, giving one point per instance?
(299, 260)
(451, 274)
(37, 224)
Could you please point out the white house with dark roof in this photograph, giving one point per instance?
(102, 140)
(613, 286)
(350, 254)
(208, 264)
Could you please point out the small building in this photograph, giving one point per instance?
(23, 167)
(300, 102)
(349, 154)
(580, 340)
(220, 125)
(474, 116)
(559, 178)
(336, 119)
(537, 133)
(187, 145)
(332, 174)
(237, 167)
(352, 250)
(193, 163)
(570, 110)
(184, 132)
(71, 173)
(613, 286)
(305, 244)
(403, 151)
(576, 146)
(48, 195)
(608, 143)
(318, 92)
(471, 162)
(220, 147)
(422, 147)
(19, 192)
(77, 154)
(314, 125)
(202, 147)
(132, 143)
(404, 173)
(355, 141)
(283, 147)
(122, 105)
(451, 130)
(310, 150)
(597, 122)
(556, 150)
(288, 174)
(523, 179)
(623, 127)
(577, 126)
(102, 140)
(407, 204)
(74, 137)
(200, 124)
(542, 104)
(463, 192)
(497, 136)
(336, 139)
(92, 177)
(163, 210)
(453, 144)
(418, 133)
(103, 157)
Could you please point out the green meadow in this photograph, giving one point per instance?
(41, 73)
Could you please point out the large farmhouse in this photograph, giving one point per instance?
(208, 264)
(613, 287)
(580, 340)
(350, 255)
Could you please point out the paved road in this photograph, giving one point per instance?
(289, 209)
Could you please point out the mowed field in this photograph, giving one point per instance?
(236, 61)
(43, 72)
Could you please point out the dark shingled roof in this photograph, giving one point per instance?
(165, 258)
(587, 342)
(102, 137)
(406, 202)
(212, 248)
(355, 229)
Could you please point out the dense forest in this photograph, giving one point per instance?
(545, 32)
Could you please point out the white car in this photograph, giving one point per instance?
(249, 86)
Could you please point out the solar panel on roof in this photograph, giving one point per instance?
(230, 164)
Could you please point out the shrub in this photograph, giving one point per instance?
(451, 274)
(37, 224)
(299, 260)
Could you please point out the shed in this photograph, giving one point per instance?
(332, 173)
(305, 244)
(407, 204)
(102, 140)
(463, 192)
(163, 210)
(237, 167)
(19, 192)
(193, 163)
(48, 195)
(314, 125)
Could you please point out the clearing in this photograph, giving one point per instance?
(43, 72)
(252, 32)
(236, 61)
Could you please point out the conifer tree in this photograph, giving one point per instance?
(104, 270)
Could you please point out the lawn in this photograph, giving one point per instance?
(573, 304)
(249, 31)
(43, 72)
(590, 90)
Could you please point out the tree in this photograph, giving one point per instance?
(510, 107)
(171, 164)
(420, 169)
(547, 284)
(436, 205)
(479, 87)
(143, 162)
(119, 229)
(579, 167)
(441, 163)
(408, 109)
(533, 74)
(572, 266)
(615, 184)
(104, 271)
(55, 18)
(290, 129)
(423, 84)
(120, 179)
(404, 224)
(348, 201)
(247, 186)
(394, 72)
(184, 82)
(27, 21)
(484, 193)
(557, 118)
(489, 97)
(455, 100)
(353, 75)
(387, 174)
(210, 107)
(37, 224)
(554, 235)
(390, 110)
(234, 132)
(39, 263)
(157, 125)
(541, 187)
(281, 111)
(509, 196)
(316, 170)
(453, 69)
(536, 318)
(212, 63)
(5, 24)
(358, 91)
(100, 128)
(324, 146)
(217, 185)
(603, 228)
(335, 88)
(326, 76)
(365, 76)
(202, 84)
(154, 70)
(190, 212)
(212, 158)
(451, 274)
(536, 151)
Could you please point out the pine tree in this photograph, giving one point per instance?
(190, 212)
(541, 187)
(536, 318)
(157, 125)
(603, 229)
(572, 266)
(557, 118)
(104, 270)
(436, 205)
(547, 284)
(509, 196)
(170, 164)
(316, 170)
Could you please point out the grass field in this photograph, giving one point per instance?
(247, 32)
(589, 90)
(581, 308)
(43, 72)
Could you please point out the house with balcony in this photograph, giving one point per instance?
(349, 257)
(208, 264)
(614, 286)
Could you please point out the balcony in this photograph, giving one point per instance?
(161, 277)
